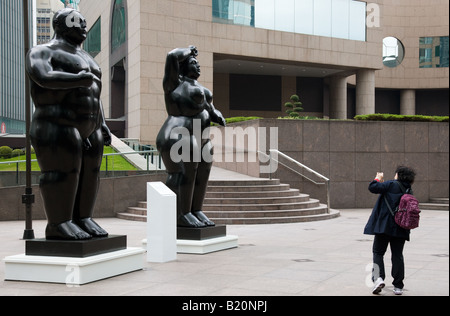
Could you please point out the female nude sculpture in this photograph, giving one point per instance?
(68, 130)
(188, 104)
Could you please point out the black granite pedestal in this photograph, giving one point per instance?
(188, 233)
(75, 248)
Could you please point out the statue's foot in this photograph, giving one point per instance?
(189, 220)
(203, 218)
(65, 231)
(91, 227)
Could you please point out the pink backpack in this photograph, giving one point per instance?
(406, 214)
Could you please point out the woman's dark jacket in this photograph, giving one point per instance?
(381, 220)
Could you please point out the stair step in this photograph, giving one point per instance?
(257, 200)
(137, 210)
(275, 220)
(257, 207)
(439, 200)
(243, 182)
(434, 206)
(322, 209)
(255, 194)
(132, 217)
(249, 188)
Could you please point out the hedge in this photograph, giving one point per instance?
(396, 117)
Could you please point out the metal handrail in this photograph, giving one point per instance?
(327, 181)
(145, 152)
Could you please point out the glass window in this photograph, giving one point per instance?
(340, 19)
(93, 42)
(264, 14)
(285, 16)
(119, 28)
(304, 20)
(322, 17)
(332, 18)
(433, 52)
(393, 52)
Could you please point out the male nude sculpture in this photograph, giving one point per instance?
(68, 130)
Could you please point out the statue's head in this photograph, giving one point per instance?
(71, 25)
(190, 68)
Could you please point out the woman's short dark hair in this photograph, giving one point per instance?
(405, 174)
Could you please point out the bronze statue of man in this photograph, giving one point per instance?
(68, 129)
(188, 105)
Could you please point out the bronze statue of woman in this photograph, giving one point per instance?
(68, 130)
(188, 105)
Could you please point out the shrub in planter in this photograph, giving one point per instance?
(5, 152)
(17, 153)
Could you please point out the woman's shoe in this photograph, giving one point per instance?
(398, 291)
(378, 286)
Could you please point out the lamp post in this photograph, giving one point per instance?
(28, 197)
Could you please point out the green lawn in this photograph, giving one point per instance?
(115, 163)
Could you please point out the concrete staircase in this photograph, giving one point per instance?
(439, 204)
(251, 201)
(261, 201)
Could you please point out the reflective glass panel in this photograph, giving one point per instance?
(322, 18)
(118, 29)
(332, 18)
(434, 52)
(340, 18)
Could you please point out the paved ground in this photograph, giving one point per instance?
(324, 258)
(304, 259)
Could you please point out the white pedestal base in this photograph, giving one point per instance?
(203, 246)
(71, 270)
(207, 245)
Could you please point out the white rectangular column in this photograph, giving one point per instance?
(161, 223)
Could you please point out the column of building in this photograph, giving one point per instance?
(408, 102)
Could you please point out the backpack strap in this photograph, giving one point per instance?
(389, 207)
(404, 190)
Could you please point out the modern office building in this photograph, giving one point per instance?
(12, 55)
(341, 57)
(12, 75)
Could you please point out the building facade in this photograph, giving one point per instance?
(12, 74)
(12, 55)
(341, 57)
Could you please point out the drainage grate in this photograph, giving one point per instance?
(441, 255)
(246, 245)
(363, 240)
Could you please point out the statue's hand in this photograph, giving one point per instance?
(194, 51)
(221, 120)
(106, 135)
(87, 78)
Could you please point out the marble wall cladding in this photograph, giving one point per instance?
(350, 153)
(114, 196)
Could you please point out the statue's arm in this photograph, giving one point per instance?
(41, 71)
(216, 115)
(172, 69)
(105, 129)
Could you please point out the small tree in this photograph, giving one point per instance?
(294, 106)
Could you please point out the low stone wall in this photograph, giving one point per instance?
(115, 195)
(350, 153)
